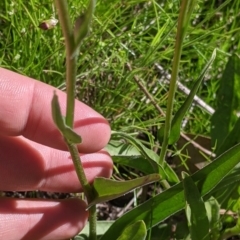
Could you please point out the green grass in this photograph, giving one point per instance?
(127, 39)
(136, 32)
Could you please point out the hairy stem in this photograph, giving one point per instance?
(71, 71)
(79, 170)
(93, 223)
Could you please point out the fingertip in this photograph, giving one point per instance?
(95, 133)
(98, 165)
(75, 210)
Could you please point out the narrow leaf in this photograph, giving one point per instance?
(82, 25)
(226, 99)
(137, 162)
(172, 200)
(106, 189)
(135, 231)
(56, 113)
(71, 135)
(165, 170)
(213, 212)
(196, 212)
(120, 148)
(178, 118)
(58, 119)
(146, 152)
(128, 155)
(171, 175)
(232, 139)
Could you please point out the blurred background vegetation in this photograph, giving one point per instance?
(127, 39)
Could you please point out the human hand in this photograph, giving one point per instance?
(33, 156)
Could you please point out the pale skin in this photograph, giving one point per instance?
(33, 156)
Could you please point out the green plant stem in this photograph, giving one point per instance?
(71, 62)
(183, 19)
(71, 70)
(87, 189)
(79, 170)
(93, 223)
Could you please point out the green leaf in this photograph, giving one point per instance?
(135, 231)
(228, 99)
(178, 118)
(58, 119)
(228, 191)
(106, 189)
(172, 200)
(56, 112)
(72, 136)
(119, 148)
(137, 162)
(228, 183)
(165, 170)
(213, 213)
(146, 152)
(102, 227)
(171, 175)
(195, 211)
(82, 25)
(128, 155)
(231, 139)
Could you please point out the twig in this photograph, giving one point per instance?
(149, 96)
(198, 146)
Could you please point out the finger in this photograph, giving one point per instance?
(25, 109)
(26, 166)
(38, 219)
